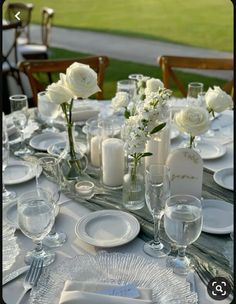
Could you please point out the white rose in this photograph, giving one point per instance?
(192, 120)
(218, 100)
(81, 80)
(121, 100)
(153, 85)
(58, 93)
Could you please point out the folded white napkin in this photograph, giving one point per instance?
(76, 292)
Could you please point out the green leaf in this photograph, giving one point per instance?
(158, 128)
(127, 114)
(146, 154)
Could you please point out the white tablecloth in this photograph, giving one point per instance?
(66, 220)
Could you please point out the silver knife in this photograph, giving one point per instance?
(11, 276)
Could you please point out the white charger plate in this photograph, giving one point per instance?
(43, 141)
(107, 228)
(217, 216)
(19, 172)
(211, 150)
(225, 178)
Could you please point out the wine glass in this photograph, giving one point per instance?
(20, 116)
(157, 190)
(183, 225)
(194, 88)
(36, 215)
(50, 170)
(6, 194)
(48, 110)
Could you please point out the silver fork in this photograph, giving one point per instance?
(32, 276)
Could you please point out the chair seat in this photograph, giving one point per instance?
(32, 49)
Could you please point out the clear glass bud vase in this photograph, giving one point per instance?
(133, 187)
(72, 161)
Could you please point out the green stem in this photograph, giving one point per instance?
(191, 141)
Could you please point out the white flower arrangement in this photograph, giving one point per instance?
(120, 101)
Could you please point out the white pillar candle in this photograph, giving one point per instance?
(112, 162)
(159, 146)
(95, 151)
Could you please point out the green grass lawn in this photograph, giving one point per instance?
(118, 70)
(201, 23)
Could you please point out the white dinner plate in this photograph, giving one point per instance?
(210, 150)
(19, 172)
(57, 148)
(217, 216)
(10, 214)
(43, 141)
(107, 228)
(225, 178)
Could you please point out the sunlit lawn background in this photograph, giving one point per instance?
(201, 23)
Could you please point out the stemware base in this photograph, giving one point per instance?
(55, 240)
(48, 257)
(24, 151)
(157, 250)
(8, 196)
(180, 265)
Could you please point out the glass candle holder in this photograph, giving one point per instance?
(85, 189)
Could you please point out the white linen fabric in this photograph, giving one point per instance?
(77, 292)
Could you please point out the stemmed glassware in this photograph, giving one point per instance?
(157, 190)
(36, 215)
(48, 110)
(20, 115)
(183, 225)
(127, 85)
(50, 181)
(6, 194)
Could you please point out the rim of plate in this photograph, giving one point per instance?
(217, 176)
(221, 148)
(86, 238)
(48, 135)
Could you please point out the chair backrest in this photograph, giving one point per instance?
(32, 68)
(46, 24)
(168, 63)
(25, 10)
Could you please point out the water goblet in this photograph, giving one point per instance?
(157, 190)
(183, 225)
(36, 215)
(48, 111)
(194, 88)
(6, 194)
(20, 116)
(50, 181)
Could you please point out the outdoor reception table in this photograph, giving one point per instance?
(215, 250)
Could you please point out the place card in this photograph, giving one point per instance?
(129, 291)
(186, 170)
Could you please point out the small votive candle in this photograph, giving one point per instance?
(85, 188)
(112, 162)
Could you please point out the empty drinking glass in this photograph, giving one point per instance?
(50, 181)
(6, 194)
(36, 214)
(157, 190)
(20, 116)
(48, 111)
(183, 225)
(127, 85)
(194, 88)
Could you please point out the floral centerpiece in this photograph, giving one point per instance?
(144, 118)
(80, 81)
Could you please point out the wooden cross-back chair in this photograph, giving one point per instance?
(25, 10)
(33, 67)
(169, 63)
